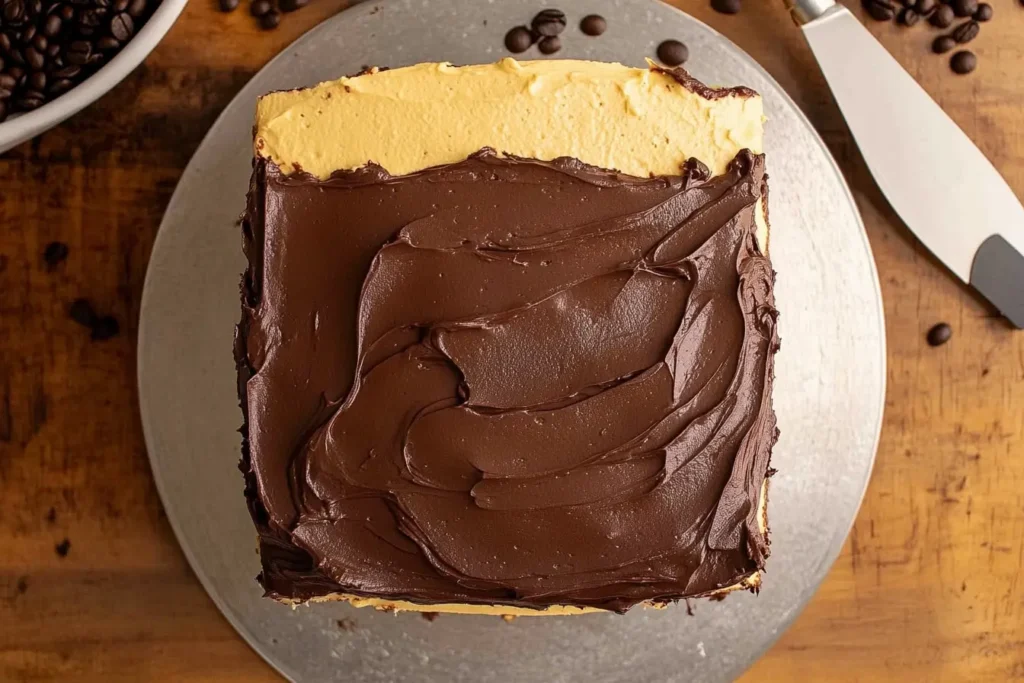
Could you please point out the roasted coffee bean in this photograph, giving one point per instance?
(13, 13)
(939, 334)
(260, 7)
(5, 43)
(3, 109)
(82, 312)
(54, 254)
(67, 72)
(108, 43)
(726, 6)
(226, 5)
(40, 43)
(52, 50)
(7, 81)
(291, 5)
(122, 5)
(122, 27)
(593, 25)
(518, 39)
(942, 17)
(549, 45)
(105, 328)
(270, 20)
(984, 12)
(37, 81)
(880, 10)
(28, 34)
(34, 58)
(26, 103)
(60, 86)
(963, 62)
(549, 22)
(673, 52)
(924, 7)
(909, 17)
(966, 32)
(943, 44)
(965, 8)
(78, 52)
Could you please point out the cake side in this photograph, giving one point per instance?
(294, 522)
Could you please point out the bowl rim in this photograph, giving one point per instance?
(32, 123)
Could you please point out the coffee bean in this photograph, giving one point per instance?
(942, 17)
(37, 81)
(943, 44)
(549, 45)
(60, 86)
(122, 5)
(82, 312)
(939, 334)
(40, 43)
(963, 62)
(880, 10)
(13, 12)
(28, 34)
(549, 22)
(8, 82)
(136, 8)
(122, 27)
(909, 17)
(924, 7)
(291, 5)
(54, 254)
(52, 50)
(34, 58)
(67, 71)
(270, 20)
(593, 25)
(518, 39)
(105, 328)
(228, 5)
(726, 6)
(67, 12)
(965, 8)
(78, 52)
(984, 12)
(260, 7)
(966, 32)
(5, 43)
(672, 52)
(108, 43)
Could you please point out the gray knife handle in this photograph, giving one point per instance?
(998, 273)
(806, 11)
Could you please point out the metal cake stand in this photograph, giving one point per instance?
(829, 392)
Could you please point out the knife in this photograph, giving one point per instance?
(935, 178)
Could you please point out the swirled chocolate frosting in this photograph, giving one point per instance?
(506, 381)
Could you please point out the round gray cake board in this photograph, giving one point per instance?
(829, 391)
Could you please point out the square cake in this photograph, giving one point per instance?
(507, 339)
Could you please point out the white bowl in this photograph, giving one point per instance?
(23, 126)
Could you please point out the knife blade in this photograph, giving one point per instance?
(938, 181)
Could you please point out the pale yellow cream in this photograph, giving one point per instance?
(638, 121)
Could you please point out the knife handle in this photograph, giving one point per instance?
(998, 273)
(806, 11)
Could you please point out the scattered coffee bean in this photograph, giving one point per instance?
(593, 25)
(54, 254)
(63, 548)
(966, 32)
(939, 334)
(549, 22)
(963, 62)
(518, 40)
(909, 17)
(228, 5)
(925, 7)
(673, 52)
(82, 312)
(270, 20)
(943, 44)
(880, 10)
(549, 45)
(105, 328)
(260, 7)
(291, 5)
(726, 6)
(984, 12)
(965, 8)
(942, 17)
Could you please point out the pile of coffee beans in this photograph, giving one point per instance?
(48, 47)
(940, 14)
(266, 12)
(544, 31)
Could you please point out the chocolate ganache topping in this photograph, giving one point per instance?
(506, 381)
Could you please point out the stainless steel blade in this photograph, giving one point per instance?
(936, 179)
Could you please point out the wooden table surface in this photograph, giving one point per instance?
(928, 586)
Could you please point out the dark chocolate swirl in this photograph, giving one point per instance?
(506, 381)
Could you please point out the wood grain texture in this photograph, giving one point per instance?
(928, 586)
